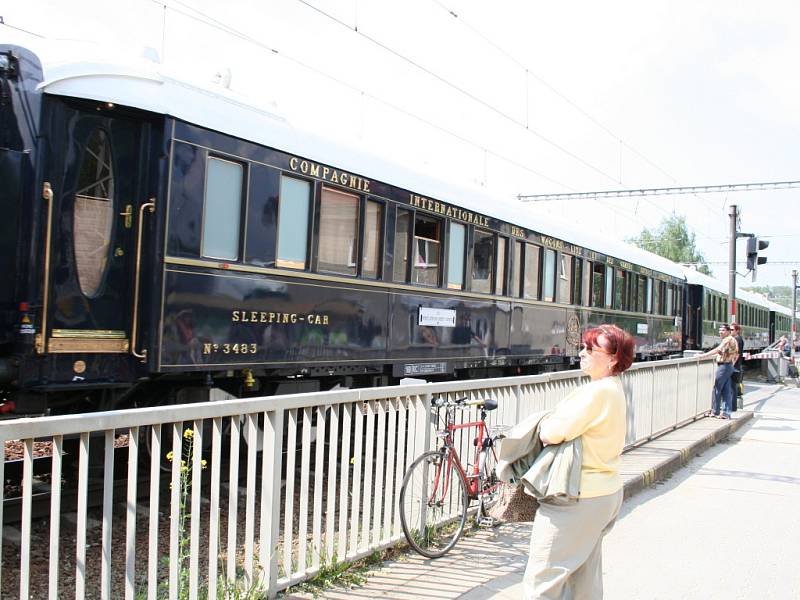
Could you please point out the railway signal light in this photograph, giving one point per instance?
(754, 245)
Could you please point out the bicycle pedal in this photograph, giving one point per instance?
(486, 521)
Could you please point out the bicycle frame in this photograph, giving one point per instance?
(454, 460)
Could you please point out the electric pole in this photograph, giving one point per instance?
(794, 308)
(734, 214)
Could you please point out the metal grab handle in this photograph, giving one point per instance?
(47, 195)
(151, 206)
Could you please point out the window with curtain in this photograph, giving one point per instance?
(338, 232)
(93, 213)
(532, 262)
(500, 279)
(373, 237)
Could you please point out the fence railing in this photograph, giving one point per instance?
(292, 484)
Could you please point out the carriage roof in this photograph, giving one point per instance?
(153, 87)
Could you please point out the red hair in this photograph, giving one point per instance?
(618, 343)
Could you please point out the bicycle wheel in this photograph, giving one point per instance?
(489, 486)
(433, 504)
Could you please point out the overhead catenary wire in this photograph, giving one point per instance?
(461, 90)
(565, 98)
(210, 21)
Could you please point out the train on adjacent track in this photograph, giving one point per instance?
(161, 239)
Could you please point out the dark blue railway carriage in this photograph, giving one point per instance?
(162, 239)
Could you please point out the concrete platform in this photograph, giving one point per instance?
(489, 563)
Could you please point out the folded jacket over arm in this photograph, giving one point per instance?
(551, 473)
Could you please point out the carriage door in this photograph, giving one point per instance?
(98, 183)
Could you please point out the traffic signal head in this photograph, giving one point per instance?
(754, 245)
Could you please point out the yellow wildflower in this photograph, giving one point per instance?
(170, 455)
(203, 463)
(188, 434)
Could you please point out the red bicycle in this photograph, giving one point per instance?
(437, 489)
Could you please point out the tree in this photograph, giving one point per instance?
(780, 294)
(673, 240)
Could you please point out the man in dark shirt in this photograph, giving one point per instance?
(738, 368)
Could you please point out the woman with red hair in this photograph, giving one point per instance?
(566, 541)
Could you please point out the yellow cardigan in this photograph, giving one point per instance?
(595, 412)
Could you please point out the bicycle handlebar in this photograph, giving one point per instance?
(488, 403)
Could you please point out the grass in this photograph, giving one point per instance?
(340, 573)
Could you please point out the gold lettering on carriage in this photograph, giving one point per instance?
(277, 318)
(447, 210)
(343, 178)
(553, 243)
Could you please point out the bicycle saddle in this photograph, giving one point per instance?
(489, 404)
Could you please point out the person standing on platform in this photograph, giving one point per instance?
(738, 367)
(726, 352)
(565, 558)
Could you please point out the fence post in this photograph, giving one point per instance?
(677, 393)
(518, 407)
(652, 399)
(271, 497)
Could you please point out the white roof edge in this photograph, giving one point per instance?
(153, 87)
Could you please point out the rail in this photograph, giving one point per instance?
(320, 479)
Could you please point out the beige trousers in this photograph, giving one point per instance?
(565, 561)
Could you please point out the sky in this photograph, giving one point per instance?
(513, 97)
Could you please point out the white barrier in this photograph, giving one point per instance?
(345, 453)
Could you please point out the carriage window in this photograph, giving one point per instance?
(532, 271)
(502, 259)
(549, 276)
(427, 243)
(373, 230)
(641, 288)
(515, 275)
(586, 292)
(670, 300)
(598, 272)
(222, 209)
(619, 289)
(93, 213)
(402, 237)
(609, 296)
(576, 282)
(338, 232)
(482, 262)
(455, 256)
(293, 211)
(657, 298)
(564, 278)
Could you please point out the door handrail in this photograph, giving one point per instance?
(47, 196)
(151, 206)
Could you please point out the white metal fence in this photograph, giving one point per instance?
(292, 482)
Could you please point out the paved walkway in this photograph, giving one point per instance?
(489, 563)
